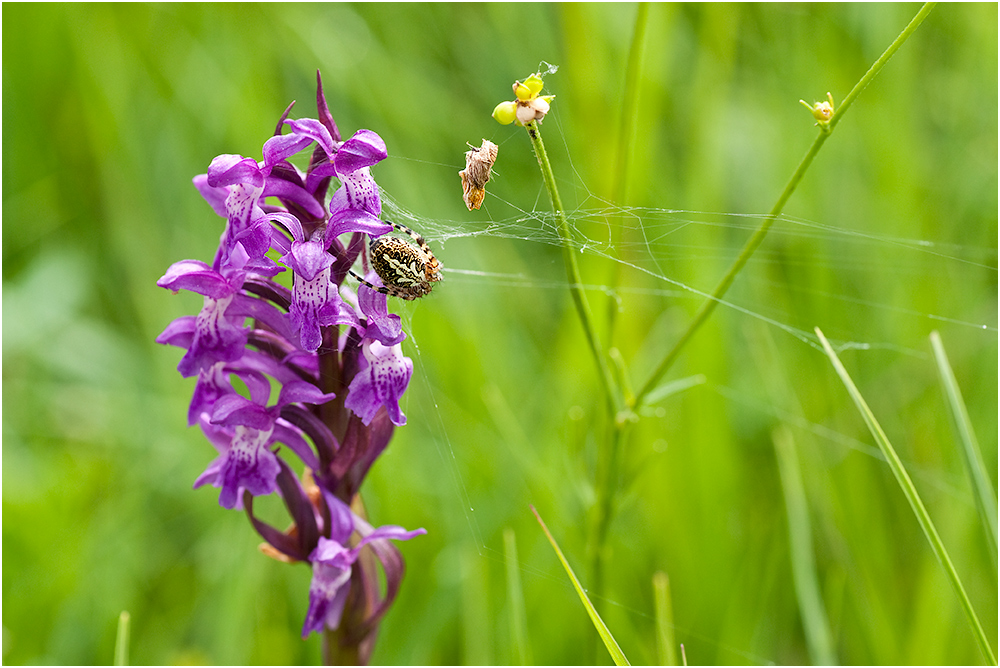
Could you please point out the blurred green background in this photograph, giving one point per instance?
(110, 110)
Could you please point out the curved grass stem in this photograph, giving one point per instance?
(758, 236)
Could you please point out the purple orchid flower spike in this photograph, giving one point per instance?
(339, 365)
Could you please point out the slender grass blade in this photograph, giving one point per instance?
(986, 498)
(602, 629)
(515, 597)
(814, 620)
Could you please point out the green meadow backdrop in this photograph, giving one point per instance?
(110, 110)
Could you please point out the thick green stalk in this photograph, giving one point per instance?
(605, 475)
(751, 245)
(910, 492)
(612, 395)
(121, 640)
(666, 655)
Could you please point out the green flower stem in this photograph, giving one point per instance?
(910, 492)
(751, 245)
(609, 449)
(612, 395)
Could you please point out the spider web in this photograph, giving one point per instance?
(653, 244)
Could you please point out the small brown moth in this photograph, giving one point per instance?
(478, 163)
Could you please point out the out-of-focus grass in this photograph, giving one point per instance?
(108, 111)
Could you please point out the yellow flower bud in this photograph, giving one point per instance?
(821, 111)
(505, 112)
(534, 84)
(523, 92)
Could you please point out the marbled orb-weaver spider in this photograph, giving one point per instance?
(407, 271)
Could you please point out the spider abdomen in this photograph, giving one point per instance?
(397, 263)
(407, 271)
(401, 265)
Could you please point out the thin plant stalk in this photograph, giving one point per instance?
(621, 174)
(608, 457)
(758, 236)
(609, 641)
(630, 105)
(605, 483)
(923, 517)
(609, 448)
(612, 395)
(666, 654)
(986, 498)
(819, 640)
(515, 598)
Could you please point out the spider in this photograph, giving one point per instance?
(407, 271)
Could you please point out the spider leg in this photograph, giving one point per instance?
(383, 290)
(420, 241)
(413, 235)
(391, 292)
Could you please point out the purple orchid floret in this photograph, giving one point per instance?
(353, 163)
(235, 186)
(214, 382)
(211, 336)
(380, 382)
(245, 462)
(356, 205)
(254, 333)
(332, 562)
(382, 326)
(247, 225)
(316, 301)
